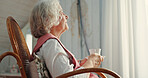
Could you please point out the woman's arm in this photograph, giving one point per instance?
(82, 61)
(63, 65)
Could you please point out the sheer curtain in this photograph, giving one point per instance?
(124, 36)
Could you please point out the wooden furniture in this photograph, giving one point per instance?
(21, 53)
(10, 75)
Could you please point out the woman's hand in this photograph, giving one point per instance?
(94, 60)
(82, 61)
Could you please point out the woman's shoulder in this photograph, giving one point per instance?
(52, 47)
(50, 42)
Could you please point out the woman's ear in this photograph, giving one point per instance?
(60, 18)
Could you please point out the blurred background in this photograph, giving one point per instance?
(118, 27)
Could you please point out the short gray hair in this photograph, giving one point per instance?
(44, 15)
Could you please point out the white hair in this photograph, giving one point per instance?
(44, 15)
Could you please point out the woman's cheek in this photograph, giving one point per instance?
(67, 27)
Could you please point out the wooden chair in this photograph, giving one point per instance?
(21, 54)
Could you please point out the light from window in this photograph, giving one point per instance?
(29, 42)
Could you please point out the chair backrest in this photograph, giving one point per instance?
(18, 41)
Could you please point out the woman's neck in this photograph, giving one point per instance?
(56, 34)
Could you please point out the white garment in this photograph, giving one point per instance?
(56, 59)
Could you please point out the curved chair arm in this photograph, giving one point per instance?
(19, 62)
(89, 70)
(101, 74)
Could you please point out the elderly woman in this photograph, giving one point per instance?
(48, 22)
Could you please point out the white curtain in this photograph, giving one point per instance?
(124, 36)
